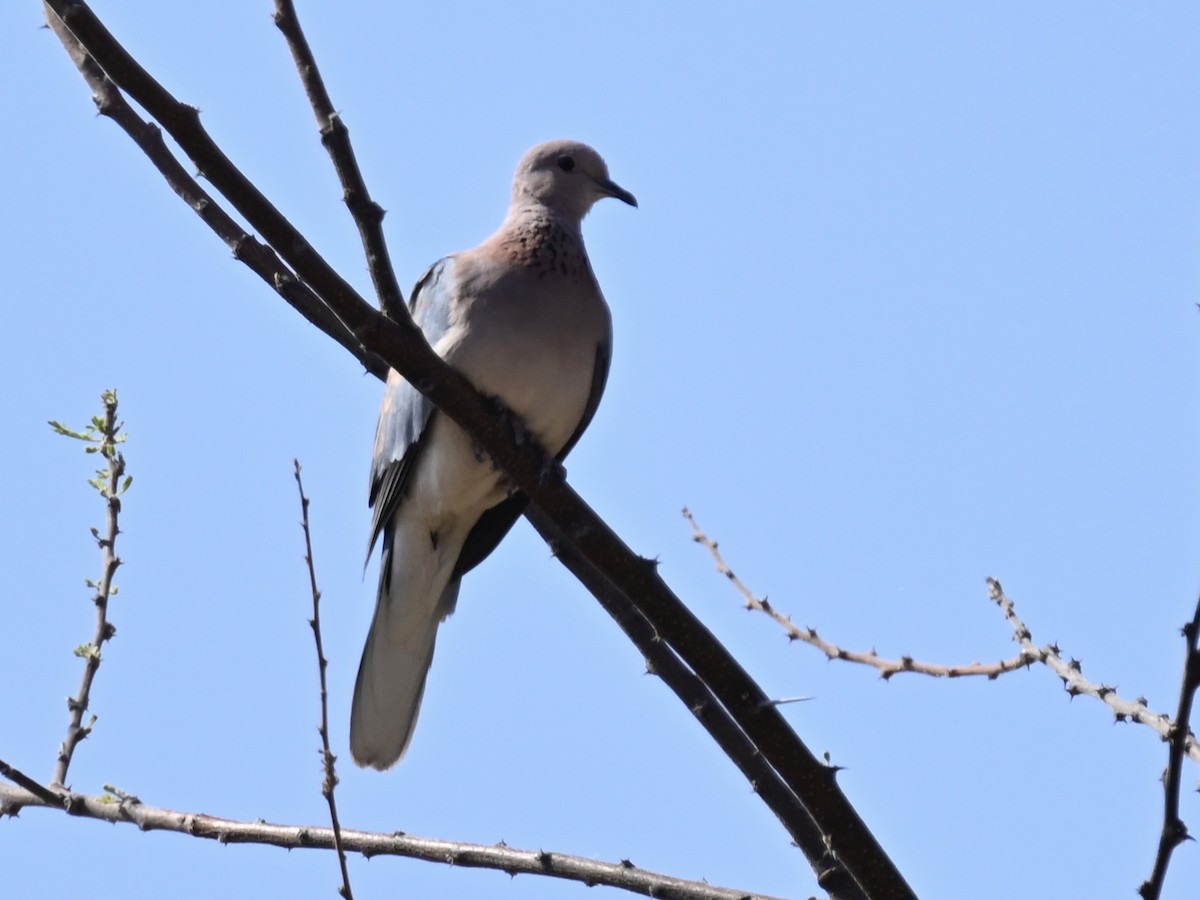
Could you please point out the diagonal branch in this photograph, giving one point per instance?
(44, 794)
(623, 875)
(335, 137)
(662, 661)
(565, 518)
(260, 258)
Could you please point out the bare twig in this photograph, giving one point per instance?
(328, 759)
(1071, 674)
(1174, 831)
(102, 436)
(623, 875)
(16, 776)
(260, 258)
(591, 549)
(887, 667)
(367, 214)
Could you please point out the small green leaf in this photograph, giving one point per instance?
(125, 484)
(62, 429)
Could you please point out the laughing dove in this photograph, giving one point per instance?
(522, 317)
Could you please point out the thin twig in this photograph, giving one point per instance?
(258, 257)
(335, 136)
(887, 667)
(16, 776)
(1174, 831)
(1071, 674)
(624, 875)
(592, 542)
(103, 435)
(330, 781)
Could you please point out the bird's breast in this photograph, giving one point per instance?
(535, 348)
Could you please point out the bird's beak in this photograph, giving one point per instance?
(612, 189)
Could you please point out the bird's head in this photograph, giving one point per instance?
(567, 177)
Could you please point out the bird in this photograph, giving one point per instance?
(523, 318)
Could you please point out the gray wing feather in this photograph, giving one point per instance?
(406, 412)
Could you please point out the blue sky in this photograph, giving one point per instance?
(910, 301)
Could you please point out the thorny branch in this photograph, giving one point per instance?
(1070, 671)
(592, 552)
(103, 436)
(1174, 831)
(327, 758)
(887, 667)
(130, 810)
(1071, 674)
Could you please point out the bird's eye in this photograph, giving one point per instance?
(566, 163)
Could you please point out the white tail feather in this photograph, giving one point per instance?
(399, 651)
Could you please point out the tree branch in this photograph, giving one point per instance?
(260, 258)
(662, 661)
(327, 758)
(48, 797)
(624, 875)
(564, 517)
(1174, 831)
(1071, 674)
(887, 667)
(102, 435)
(335, 137)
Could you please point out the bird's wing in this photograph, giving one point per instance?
(406, 413)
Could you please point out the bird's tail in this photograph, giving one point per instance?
(412, 602)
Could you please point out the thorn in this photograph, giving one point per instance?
(783, 700)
